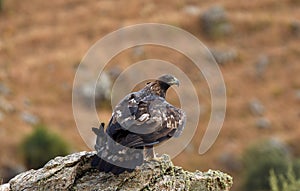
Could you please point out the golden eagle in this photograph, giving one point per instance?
(140, 121)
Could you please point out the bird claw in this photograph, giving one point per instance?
(150, 154)
(156, 159)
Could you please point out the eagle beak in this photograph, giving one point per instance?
(175, 82)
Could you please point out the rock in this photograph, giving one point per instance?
(263, 123)
(7, 172)
(27, 102)
(224, 56)
(6, 106)
(261, 65)
(138, 51)
(74, 172)
(215, 23)
(256, 107)
(30, 118)
(4, 90)
(230, 161)
(295, 28)
(114, 72)
(101, 92)
(4, 187)
(277, 143)
(191, 10)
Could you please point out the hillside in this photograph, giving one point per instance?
(42, 43)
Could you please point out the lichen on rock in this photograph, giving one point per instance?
(74, 172)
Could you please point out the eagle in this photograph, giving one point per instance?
(141, 120)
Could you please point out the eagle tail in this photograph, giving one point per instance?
(110, 159)
(104, 166)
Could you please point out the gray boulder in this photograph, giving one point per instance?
(295, 28)
(263, 123)
(4, 90)
(29, 118)
(256, 107)
(6, 106)
(224, 56)
(191, 10)
(261, 65)
(215, 22)
(8, 171)
(74, 172)
(230, 161)
(101, 92)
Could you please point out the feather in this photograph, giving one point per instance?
(141, 120)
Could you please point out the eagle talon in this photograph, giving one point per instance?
(150, 154)
(156, 159)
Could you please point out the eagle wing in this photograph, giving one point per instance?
(142, 119)
(150, 120)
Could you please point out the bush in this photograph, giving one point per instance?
(259, 160)
(41, 146)
(296, 168)
(1, 5)
(288, 183)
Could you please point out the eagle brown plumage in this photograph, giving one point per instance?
(140, 121)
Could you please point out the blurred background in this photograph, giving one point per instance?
(256, 44)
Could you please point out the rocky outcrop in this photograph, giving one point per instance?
(74, 172)
(215, 22)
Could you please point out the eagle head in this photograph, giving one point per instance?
(168, 80)
(162, 84)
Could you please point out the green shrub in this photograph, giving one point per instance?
(1, 5)
(259, 160)
(288, 183)
(296, 168)
(41, 146)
